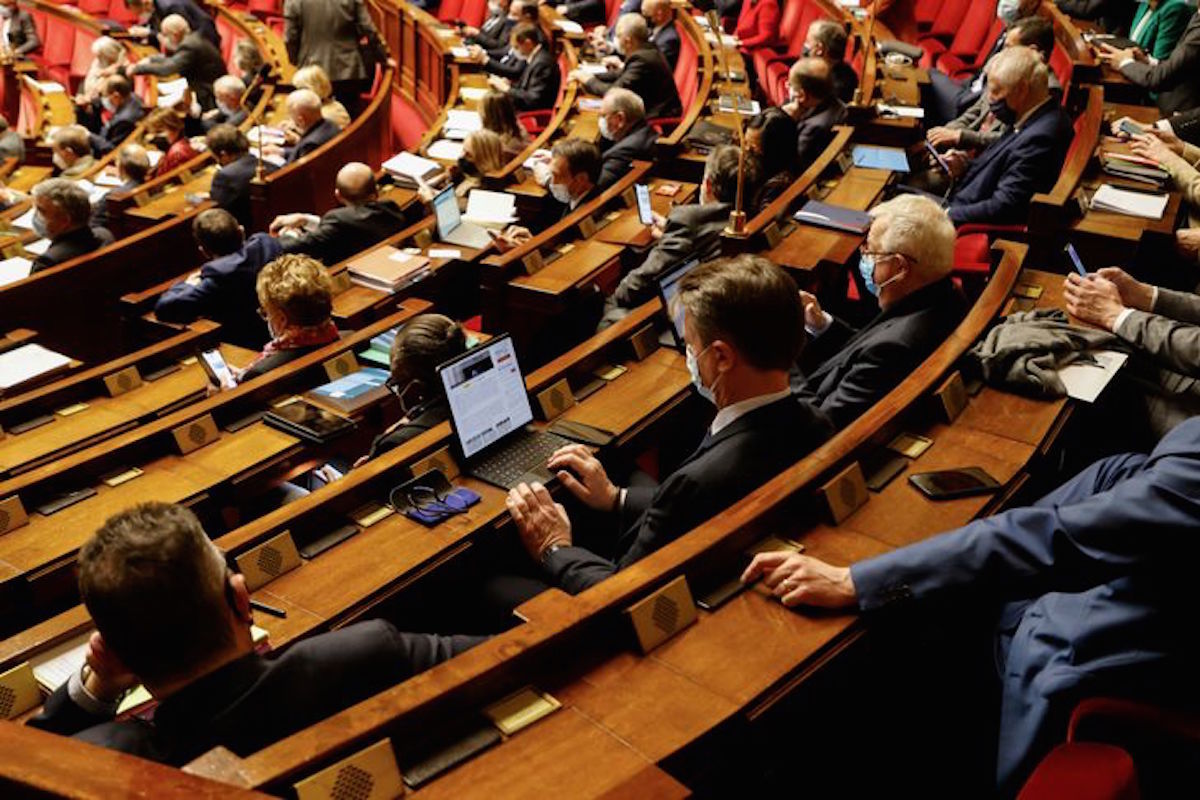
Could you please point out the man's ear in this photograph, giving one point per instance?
(241, 598)
(725, 355)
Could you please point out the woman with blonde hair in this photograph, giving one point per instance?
(314, 78)
(500, 115)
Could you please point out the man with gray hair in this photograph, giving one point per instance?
(133, 165)
(71, 151)
(997, 185)
(827, 39)
(228, 90)
(644, 70)
(905, 262)
(304, 111)
(187, 54)
(625, 136)
(61, 214)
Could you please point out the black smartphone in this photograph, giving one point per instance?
(950, 483)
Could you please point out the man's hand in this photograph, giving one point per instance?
(798, 579)
(1187, 242)
(612, 63)
(592, 487)
(139, 31)
(1151, 147)
(957, 161)
(942, 137)
(477, 54)
(298, 221)
(109, 678)
(469, 30)
(814, 315)
(1167, 137)
(577, 75)
(1093, 299)
(1115, 57)
(512, 237)
(498, 83)
(540, 521)
(1134, 293)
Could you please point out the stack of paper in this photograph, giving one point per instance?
(490, 208)
(380, 349)
(445, 150)
(95, 193)
(411, 170)
(568, 26)
(472, 93)
(14, 269)
(25, 221)
(593, 69)
(460, 122)
(37, 247)
(461, 53)
(27, 362)
(170, 93)
(1130, 203)
(106, 178)
(268, 135)
(49, 87)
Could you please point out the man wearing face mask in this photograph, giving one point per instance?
(71, 151)
(574, 170)
(905, 262)
(537, 86)
(18, 34)
(187, 54)
(997, 185)
(228, 90)
(62, 213)
(814, 106)
(826, 39)
(493, 33)
(644, 71)
(742, 319)
(625, 135)
(127, 110)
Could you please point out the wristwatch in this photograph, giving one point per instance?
(554, 548)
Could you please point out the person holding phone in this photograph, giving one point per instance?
(295, 299)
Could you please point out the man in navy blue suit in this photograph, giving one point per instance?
(997, 185)
(1099, 580)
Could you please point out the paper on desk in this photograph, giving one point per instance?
(726, 39)
(568, 26)
(277, 160)
(411, 166)
(26, 362)
(25, 220)
(154, 156)
(913, 112)
(38, 246)
(460, 53)
(490, 208)
(870, 157)
(435, 252)
(472, 93)
(593, 69)
(95, 193)
(49, 87)
(268, 135)
(14, 269)
(1086, 379)
(461, 119)
(1130, 203)
(445, 150)
(540, 156)
(107, 179)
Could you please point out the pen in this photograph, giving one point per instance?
(266, 609)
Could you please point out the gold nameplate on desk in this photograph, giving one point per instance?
(423, 239)
(663, 614)
(141, 198)
(910, 445)
(196, 434)
(644, 341)
(124, 476)
(441, 460)
(187, 362)
(845, 492)
(1028, 291)
(268, 561)
(122, 381)
(520, 710)
(556, 399)
(772, 234)
(587, 227)
(370, 774)
(341, 281)
(341, 366)
(773, 544)
(367, 515)
(71, 409)
(953, 395)
(533, 262)
(12, 514)
(18, 691)
(609, 372)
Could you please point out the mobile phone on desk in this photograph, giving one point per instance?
(948, 484)
(1131, 128)
(219, 373)
(1075, 260)
(645, 210)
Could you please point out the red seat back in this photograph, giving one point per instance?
(474, 12)
(265, 8)
(975, 26)
(926, 11)
(949, 18)
(407, 126)
(97, 8)
(1062, 67)
(81, 55)
(687, 71)
(117, 10)
(59, 43)
(450, 10)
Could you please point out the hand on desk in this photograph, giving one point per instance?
(292, 222)
(139, 31)
(799, 579)
(109, 678)
(512, 237)
(540, 521)
(498, 83)
(1116, 57)
(942, 137)
(613, 63)
(1093, 299)
(477, 54)
(1153, 148)
(592, 487)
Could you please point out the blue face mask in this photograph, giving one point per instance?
(693, 365)
(866, 268)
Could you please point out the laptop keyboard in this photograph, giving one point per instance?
(514, 461)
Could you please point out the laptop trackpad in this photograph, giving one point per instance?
(541, 474)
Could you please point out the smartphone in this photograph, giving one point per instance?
(937, 159)
(645, 211)
(1130, 127)
(219, 373)
(1075, 261)
(950, 483)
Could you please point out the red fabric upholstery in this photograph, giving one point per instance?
(1083, 771)
(972, 254)
(58, 43)
(1180, 724)
(117, 10)
(449, 10)
(949, 18)
(474, 12)
(407, 126)
(97, 8)
(976, 25)
(1063, 67)
(687, 71)
(81, 56)
(926, 11)
(264, 8)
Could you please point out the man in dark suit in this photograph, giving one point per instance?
(585, 12)
(1113, 15)
(126, 107)
(906, 263)
(663, 34)
(494, 32)
(361, 221)
(574, 171)
(133, 165)
(228, 91)
(827, 39)
(63, 214)
(1173, 78)
(625, 135)
(230, 187)
(537, 88)
(329, 33)
(1099, 581)
(304, 111)
(997, 185)
(152, 13)
(19, 34)
(814, 106)
(223, 289)
(644, 71)
(171, 616)
(739, 315)
(191, 56)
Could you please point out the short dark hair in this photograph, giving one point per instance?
(749, 303)
(525, 31)
(156, 590)
(1036, 31)
(580, 155)
(832, 35)
(722, 169)
(119, 84)
(529, 11)
(426, 342)
(226, 139)
(218, 232)
(778, 139)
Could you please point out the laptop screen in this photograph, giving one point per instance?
(668, 290)
(487, 395)
(445, 206)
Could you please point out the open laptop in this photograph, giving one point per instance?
(490, 412)
(668, 290)
(450, 227)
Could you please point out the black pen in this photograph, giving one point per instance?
(266, 609)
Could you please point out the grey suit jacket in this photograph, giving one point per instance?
(1170, 334)
(692, 230)
(1174, 78)
(326, 32)
(22, 34)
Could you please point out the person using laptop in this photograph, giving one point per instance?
(742, 327)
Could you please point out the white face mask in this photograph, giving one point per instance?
(1008, 10)
(693, 365)
(59, 161)
(227, 110)
(5, 12)
(494, 9)
(604, 129)
(560, 192)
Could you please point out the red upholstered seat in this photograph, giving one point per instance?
(474, 12)
(926, 12)
(97, 8)
(117, 10)
(1063, 67)
(1083, 771)
(948, 19)
(450, 10)
(687, 73)
(81, 56)
(406, 124)
(264, 8)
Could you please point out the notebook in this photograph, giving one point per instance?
(839, 218)
(352, 392)
(27, 362)
(14, 269)
(1130, 203)
(490, 208)
(409, 169)
(870, 157)
(387, 269)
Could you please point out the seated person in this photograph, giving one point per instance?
(644, 70)
(20, 36)
(499, 115)
(663, 35)
(108, 59)
(228, 91)
(164, 130)
(689, 231)
(119, 100)
(742, 323)
(757, 25)
(574, 171)
(1178, 158)
(230, 188)
(188, 55)
(248, 63)
(308, 128)
(1172, 78)
(537, 87)
(997, 185)
(493, 33)
(771, 137)
(814, 107)
(905, 262)
(827, 39)
(133, 167)
(625, 136)
(71, 151)
(360, 220)
(1157, 26)
(502, 58)
(153, 14)
(295, 298)
(172, 616)
(315, 79)
(62, 214)
(1097, 581)
(12, 144)
(483, 154)
(585, 12)
(223, 289)
(602, 38)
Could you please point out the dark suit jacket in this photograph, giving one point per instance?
(1113, 15)
(845, 372)
(503, 63)
(22, 33)
(99, 218)
(493, 33)
(225, 293)
(428, 415)
(537, 88)
(230, 188)
(586, 12)
(845, 81)
(814, 132)
(327, 32)
(725, 468)
(1001, 180)
(198, 19)
(692, 230)
(72, 245)
(1173, 78)
(347, 230)
(255, 701)
(221, 118)
(119, 126)
(667, 42)
(619, 156)
(313, 138)
(196, 59)
(646, 74)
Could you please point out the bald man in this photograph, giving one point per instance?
(312, 129)
(361, 220)
(186, 54)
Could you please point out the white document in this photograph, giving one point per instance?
(1133, 204)
(61, 663)
(411, 166)
(176, 86)
(490, 208)
(1085, 379)
(593, 69)
(446, 150)
(540, 156)
(154, 156)
(95, 193)
(107, 179)
(460, 53)
(38, 247)
(914, 112)
(473, 93)
(25, 220)
(435, 252)
(49, 87)
(568, 26)
(27, 362)
(460, 119)
(15, 269)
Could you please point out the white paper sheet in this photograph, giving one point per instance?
(26, 362)
(1085, 380)
(490, 208)
(445, 150)
(14, 269)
